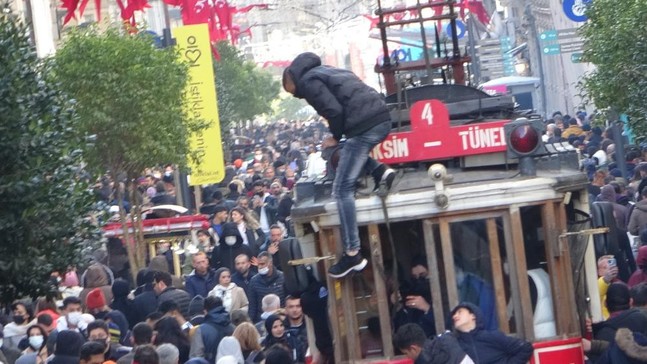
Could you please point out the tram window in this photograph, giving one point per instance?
(472, 260)
(539, 283)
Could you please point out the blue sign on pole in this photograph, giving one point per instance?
(548, 35)
(551, 49)
(460, 27)
(575, 9)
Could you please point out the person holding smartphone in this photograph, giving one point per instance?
(607, 274)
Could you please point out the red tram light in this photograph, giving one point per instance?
(524, 139)
(524, 142)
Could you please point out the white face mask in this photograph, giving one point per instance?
(230, 240)
(264, 271)
(73, 318)
(36, 341)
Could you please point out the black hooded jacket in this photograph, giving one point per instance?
(350, 106)
(491, 347)
(225, 254)
(632, 319)
(444, 349)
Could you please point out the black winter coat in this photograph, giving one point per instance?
(262, 285)
(632, 319)
(144, 303)
(179, 296)
(442, 350)
(492, 347)
(350, 106)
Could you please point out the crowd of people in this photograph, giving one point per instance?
(230, 304)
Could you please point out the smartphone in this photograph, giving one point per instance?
(612, 262)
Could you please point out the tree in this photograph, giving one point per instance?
(613, 44)
(293, 108)
(129, 95)
(45, 202)
(243, 90)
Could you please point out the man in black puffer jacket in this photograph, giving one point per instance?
(483, 346)
(268, 280)
(358, 112)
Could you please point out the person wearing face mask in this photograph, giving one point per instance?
(36, 352)
(268, 280)
(233, 297)
(98, 331)
(16, 330)
(416, 299)
(231, 246)
(97, 307)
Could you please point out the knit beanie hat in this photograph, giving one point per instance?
(95, 299)
(618, 297)
(196, 306)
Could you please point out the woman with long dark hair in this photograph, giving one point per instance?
(168, 331)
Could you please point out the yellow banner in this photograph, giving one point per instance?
(201, 103)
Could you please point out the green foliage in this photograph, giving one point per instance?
(615, 42)
(43, 224)
(243, 90)
(129, 95)
(293, 108)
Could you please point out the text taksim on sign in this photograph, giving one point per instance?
(432, 137)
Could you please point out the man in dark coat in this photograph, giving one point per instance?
(268, 280)
(486, 347)
(412, 341)
(621, 315)
(244, 272)
(145, 301)
(165, 292)
(231, 246)
(358, 112)
(202, 279)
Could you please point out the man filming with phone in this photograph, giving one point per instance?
(607, 274)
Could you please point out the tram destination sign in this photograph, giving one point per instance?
(432, 137)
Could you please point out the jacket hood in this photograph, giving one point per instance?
(634, 345)
(303, 63)
(120, 288)
(159, 264)
(96, 276)
(607, 193)
(218, 316)
(68, 343)
(641, 205)
(229, 346)
(474, 309)
(230, 229)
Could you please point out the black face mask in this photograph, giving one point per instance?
(421, 287)
(18, 319)
(100, 315)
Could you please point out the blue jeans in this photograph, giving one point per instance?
(353, 160)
